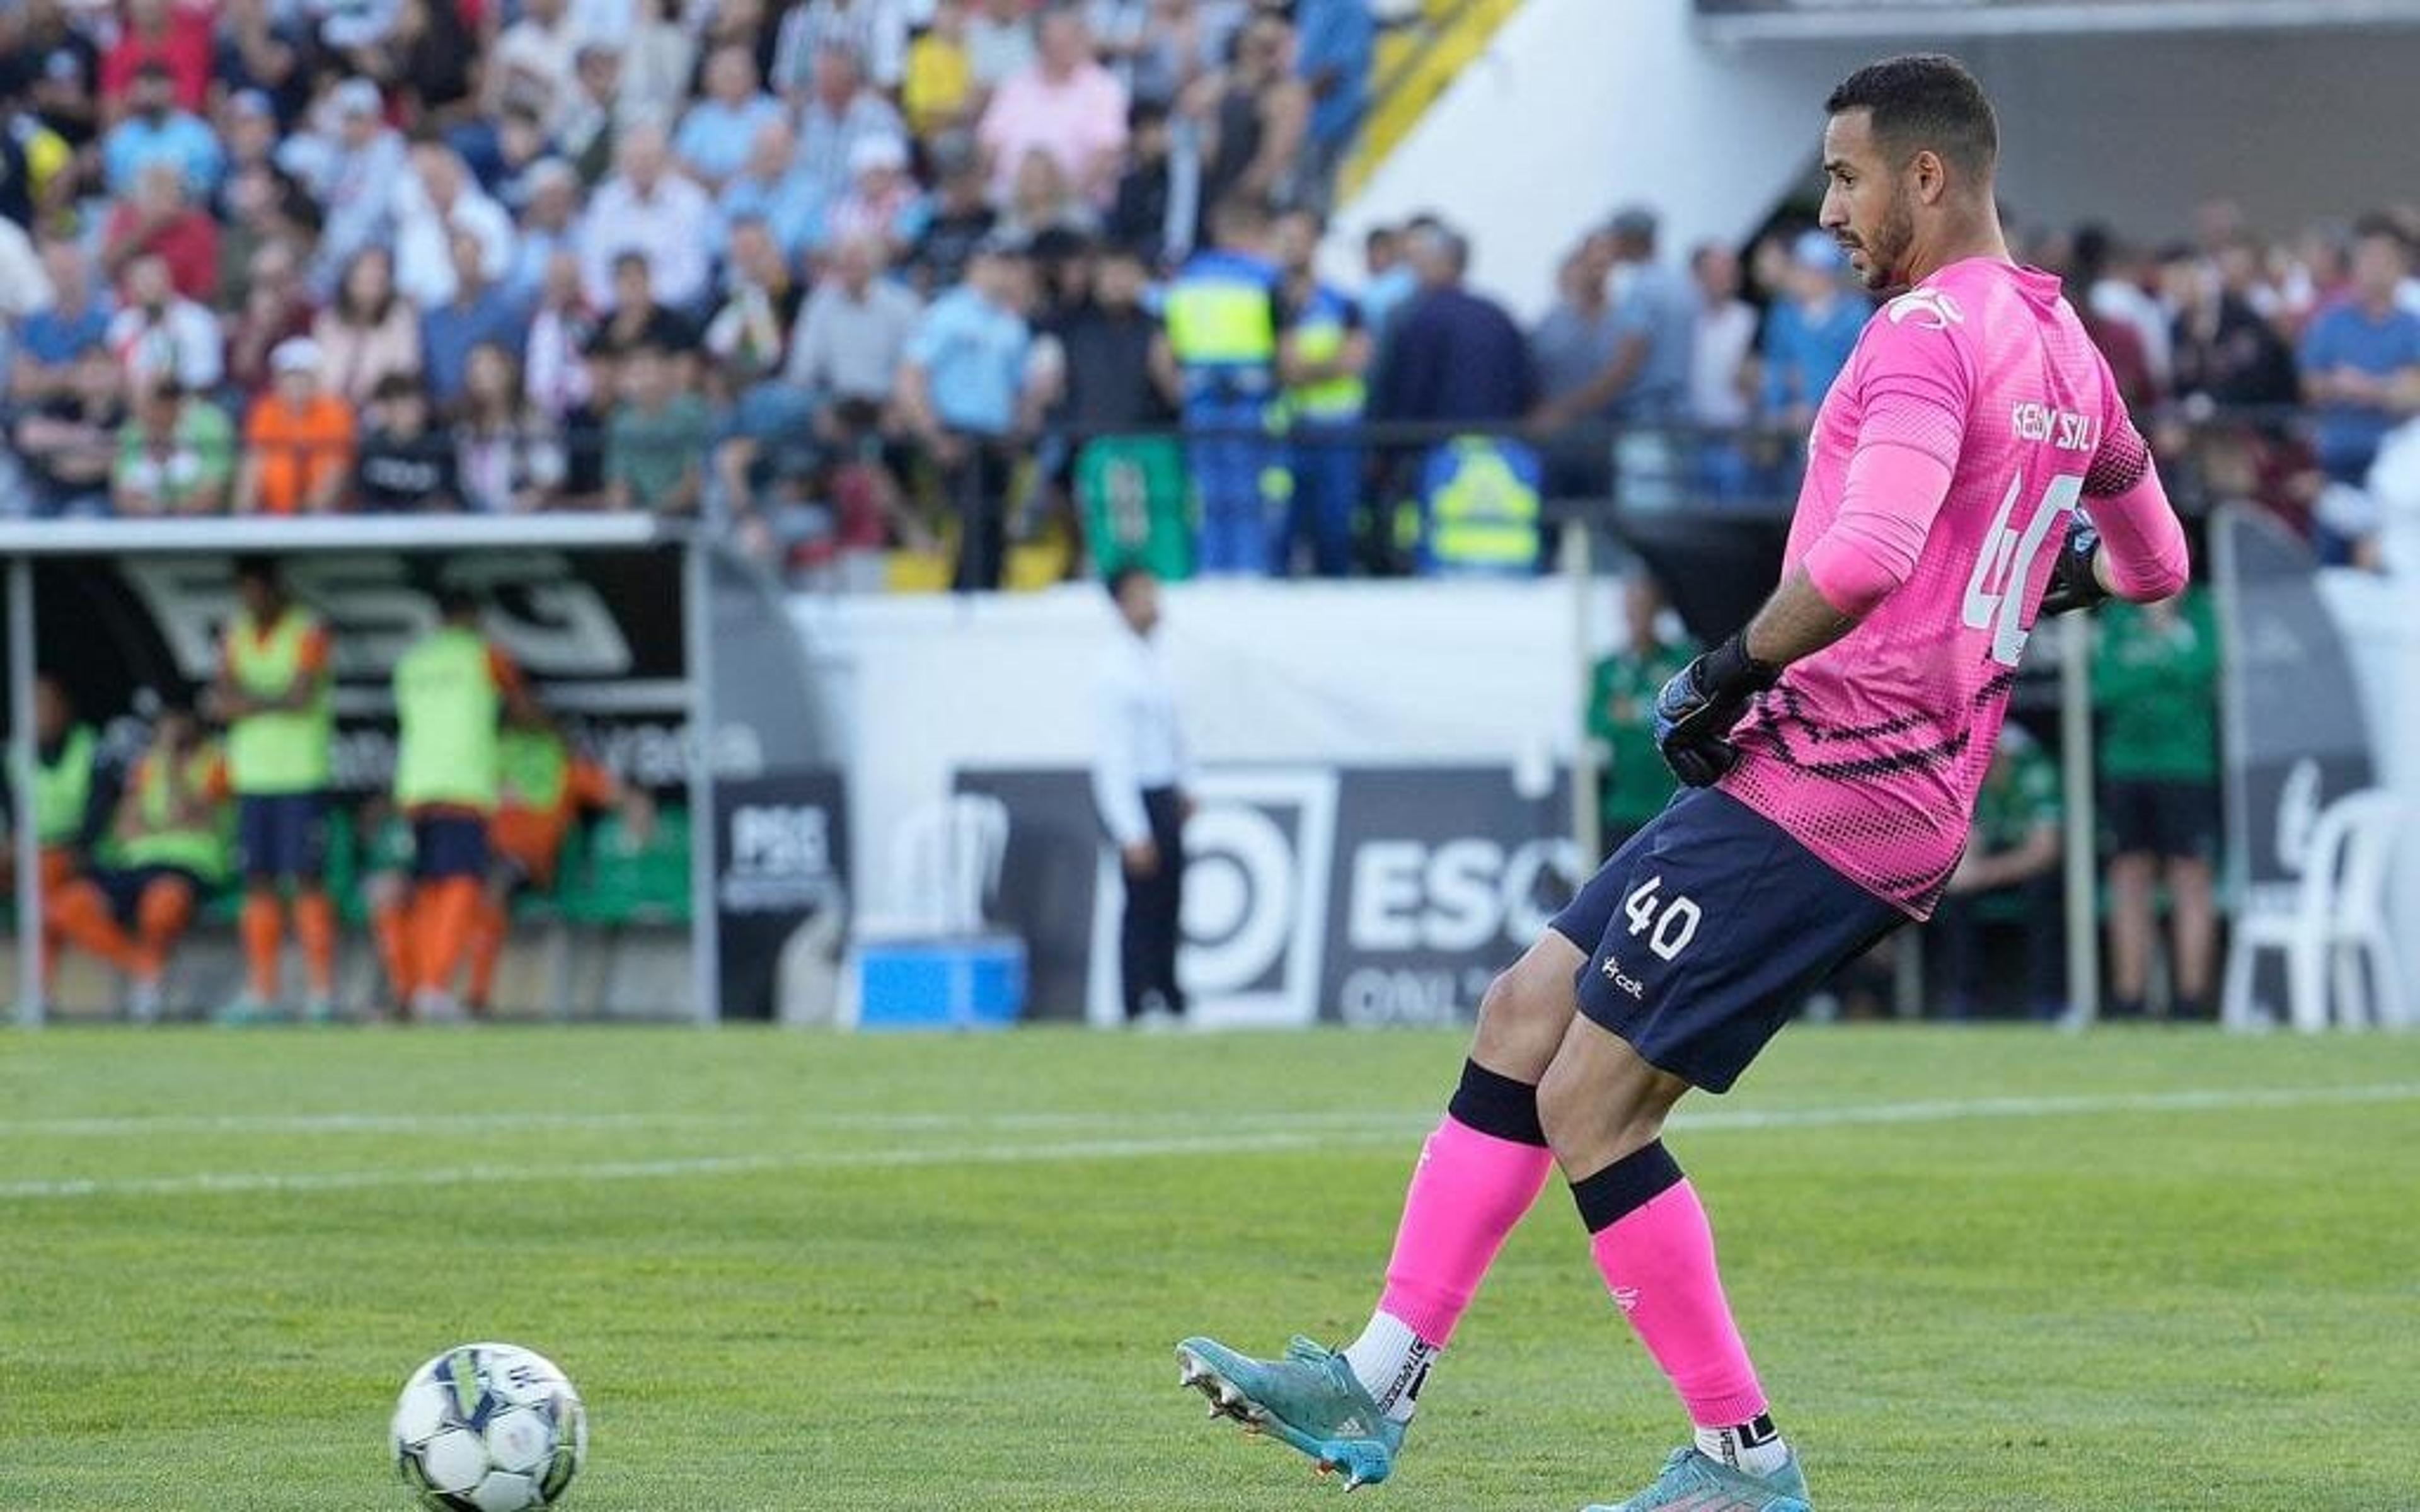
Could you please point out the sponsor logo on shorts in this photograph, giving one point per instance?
(1636, 988)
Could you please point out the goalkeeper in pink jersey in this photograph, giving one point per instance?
(1971, 469)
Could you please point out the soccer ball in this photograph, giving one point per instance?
(490, 1428)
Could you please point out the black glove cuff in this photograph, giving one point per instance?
(1729, 671)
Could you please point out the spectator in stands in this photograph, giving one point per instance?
(505, 452)
(2108, 274)
(156, 333)
(479, 313)
(2223, 352)
(1001, 42)
(875, 30)
(436, 202)
(1576, 340)
(2013, 861)
(964, 392)
(168, 834)
(598, 109)
(1110, 387)
(1324, 358)
(748, 337)
(276, 307)
(655, 444)
(298, 439)
(1722, 372)
(2155, 680)
(1633, 783)
(648, 210)
(532, 64)
(401, 468)
(76, 320)
(882, 201)
(66, 440)
(1338, 40)
(548, 223)
(1387, 280)
(561, 383)
(368, 332)
(1064, 105)
(1254, 116)
(962, 219)
(350, 167)
(2361, 359)
(635, 320)
(940, 84)
(653, 66)
(768, 188)
(1813, 327)
(60, 73)
(428, 59)
(158, 219)
(1452, 356)
(261, 51)
(174, 457)
(1152, 209)
(155, 129)
(1121, 34)
(854, 332)
(1649, 381)
(1041, 203)
(717, 132)
(841, 110)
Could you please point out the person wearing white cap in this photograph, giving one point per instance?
(882, 201)
(298, 439)
(350, 164)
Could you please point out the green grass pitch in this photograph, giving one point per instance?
(1993, 1270)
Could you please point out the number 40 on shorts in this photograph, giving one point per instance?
(1669, 923)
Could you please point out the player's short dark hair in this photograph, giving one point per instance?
(1924, 100)
(1120, 577)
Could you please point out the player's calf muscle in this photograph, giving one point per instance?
(1527, 1010)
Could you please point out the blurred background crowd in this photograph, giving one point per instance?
(966, 288)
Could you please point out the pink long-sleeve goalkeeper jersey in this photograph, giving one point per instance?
(1870, 751)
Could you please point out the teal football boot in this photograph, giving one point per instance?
(1695, 1482)
(1311, 1399)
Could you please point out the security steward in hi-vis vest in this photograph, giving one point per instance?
(450, 691)
(274, 693)
(1219, 338)
(170, 845)
(1322, 356)
(1481, 503)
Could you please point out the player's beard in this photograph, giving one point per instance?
(1887, 251)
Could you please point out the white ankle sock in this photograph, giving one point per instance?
(1755, 1447)
(1391, 1361)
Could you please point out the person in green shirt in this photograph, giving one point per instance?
(1633, 785)
(2011, 860)
(175, 456)
(2155, 679)
(655, 444)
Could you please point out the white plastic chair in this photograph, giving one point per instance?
(2336, 924)
(944, 870)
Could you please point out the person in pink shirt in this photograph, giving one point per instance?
(1065, 105)
(1832, 753)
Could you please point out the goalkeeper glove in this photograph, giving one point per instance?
(1697, 709)
(2074, 578)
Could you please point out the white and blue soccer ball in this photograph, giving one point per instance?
(490, 1428)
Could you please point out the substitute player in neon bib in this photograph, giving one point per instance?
(1833, 750)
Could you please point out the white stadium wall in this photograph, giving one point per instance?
(1581, 106)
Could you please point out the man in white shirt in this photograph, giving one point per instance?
(1720, 380)
(648, 208)
(1138, 773)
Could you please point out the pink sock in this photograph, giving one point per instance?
(1466, 1193)
(1659, 1260)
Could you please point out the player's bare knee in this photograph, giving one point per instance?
(1522, 1018)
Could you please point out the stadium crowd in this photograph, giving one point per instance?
(842, 275)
